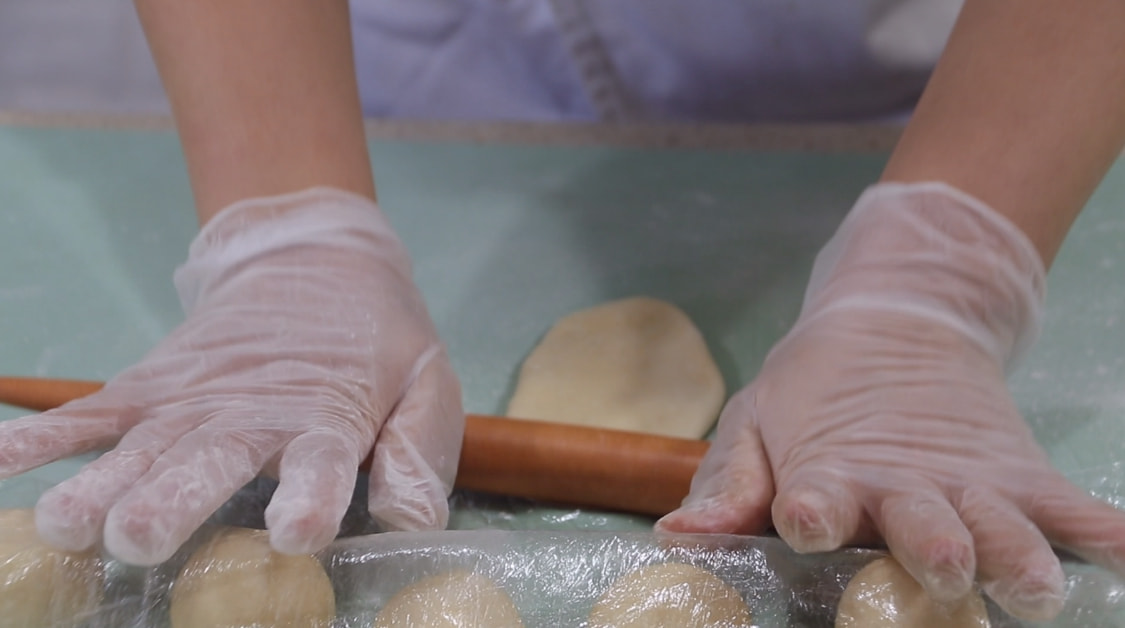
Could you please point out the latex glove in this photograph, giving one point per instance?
(305, 344)
(884, 412)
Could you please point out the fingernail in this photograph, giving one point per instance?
(1037, 605)
(677, 520)
(700, 504)
(809, 531)
(137, 540)
(65, 523)
(947, 583)
(703, 514)
(299, 531)
(948, 572)
(410, 514)
(1037, 595)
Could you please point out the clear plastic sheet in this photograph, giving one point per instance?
(40, 584)
(551, 579)
(542, 577)
(468, 511)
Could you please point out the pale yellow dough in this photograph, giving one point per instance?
(884, 595)
(458, 599)
(237, 580)
(638, 364)
(671, 594)
(41, 585)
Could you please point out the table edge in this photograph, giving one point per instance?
(836, 137)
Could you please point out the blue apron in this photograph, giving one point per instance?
(716, 60)
(711, 60)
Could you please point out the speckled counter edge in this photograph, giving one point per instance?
(811, 138)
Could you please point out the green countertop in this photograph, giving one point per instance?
(508, 237)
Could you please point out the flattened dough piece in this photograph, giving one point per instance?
(237, 580)
(41, 585)
(671, 594)
(637, 364)
(883, 594)
(458, 599)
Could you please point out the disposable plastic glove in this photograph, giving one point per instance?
(884, 412)
(305, 344)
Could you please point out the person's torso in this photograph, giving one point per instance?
(729, 60)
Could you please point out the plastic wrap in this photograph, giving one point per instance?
(551, 567)
(547, 578)
(41, 585)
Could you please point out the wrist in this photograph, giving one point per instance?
(929, 250)
(298, 230)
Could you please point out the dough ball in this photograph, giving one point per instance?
(237, 580)
(458, 599)
(885, 594)
(672, 594)
(41, 585)
(638, 364)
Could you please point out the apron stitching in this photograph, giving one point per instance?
(599, 77)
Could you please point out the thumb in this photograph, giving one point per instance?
(732, 491)
(415, 459)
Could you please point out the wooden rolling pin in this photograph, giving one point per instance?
(580, 466)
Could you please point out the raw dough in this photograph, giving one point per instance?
(458, 599)
(237, 580)
(638, 364)
(885, 594)
(41, 585)
(671, 594)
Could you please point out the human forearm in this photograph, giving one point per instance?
(1025, 111)
(264, 95)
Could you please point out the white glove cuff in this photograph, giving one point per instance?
(931, 250)
(257, 227)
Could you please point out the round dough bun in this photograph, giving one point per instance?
(637, 364)
(458, 599)
(237, 580)
(884, 594)
(671, 594)
(41, 585)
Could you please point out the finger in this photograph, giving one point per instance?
(1084, 525)
(925, 534)
(732, 490)
(72, 514)
(317, 476)
(817, 511)
(415, 459)
(83, 425)
(186, 485)
(1015, 564)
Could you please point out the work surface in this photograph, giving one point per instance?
(506, 238)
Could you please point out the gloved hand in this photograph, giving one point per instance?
(305, 344)
(884, 412)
